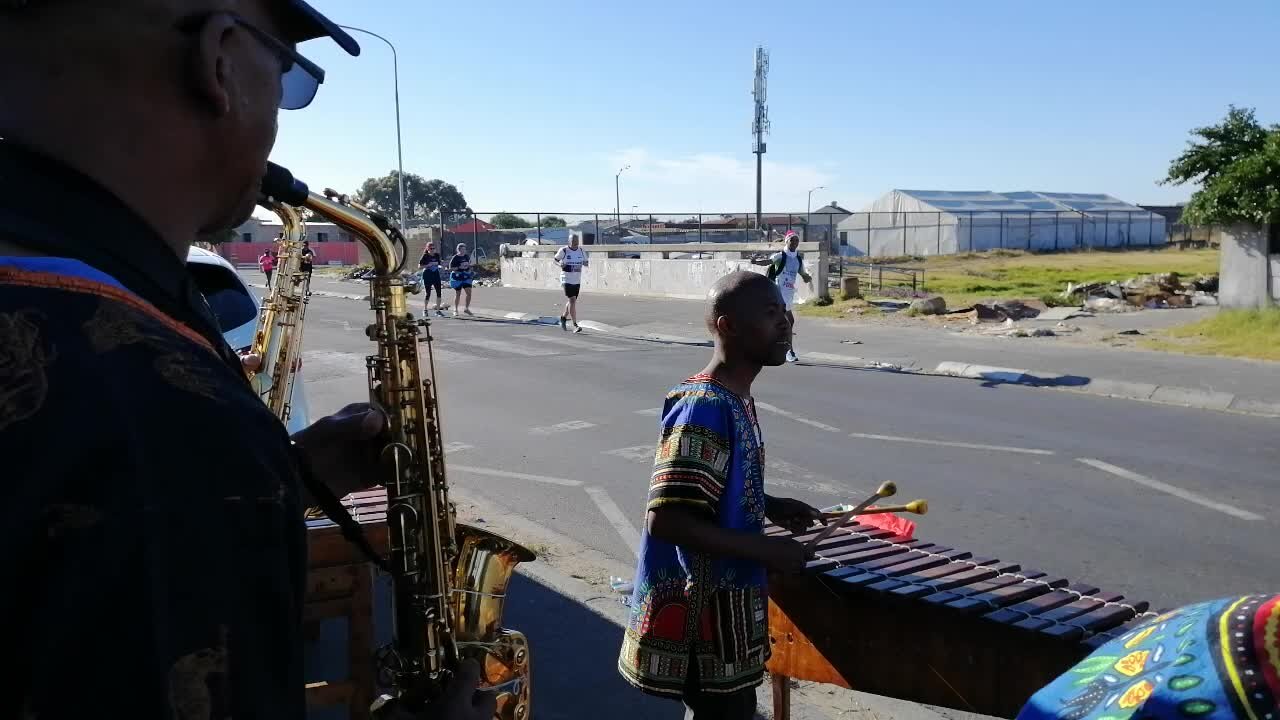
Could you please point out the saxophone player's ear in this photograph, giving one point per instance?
(209, 70)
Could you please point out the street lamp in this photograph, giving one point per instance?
(395, 69)
(617, 195)
(807, 205)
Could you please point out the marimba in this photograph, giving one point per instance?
(905, 618)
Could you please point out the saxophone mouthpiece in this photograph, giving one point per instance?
(280, 185)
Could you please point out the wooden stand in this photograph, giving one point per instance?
(340, 585)
(781, 697)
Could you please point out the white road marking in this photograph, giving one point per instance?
(506, 347)
(562, 427)
(813, 482)
(454, 447)
(650, 411)
(515, 475)
(346, 325)
(635, 452)
(788, 414)
(332, 363)
(571, 342)
(944, 443)
(1170, 489)
(629, 534)
(816, 488)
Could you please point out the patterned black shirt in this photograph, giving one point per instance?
(150, 509)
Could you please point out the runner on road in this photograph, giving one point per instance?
(783, 268)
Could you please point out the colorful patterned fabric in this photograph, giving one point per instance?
(1215, 660)
(686, 605)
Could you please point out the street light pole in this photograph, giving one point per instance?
(395, 70)
(617, 196)
(807, 207)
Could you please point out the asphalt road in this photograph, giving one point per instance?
(1160, 503)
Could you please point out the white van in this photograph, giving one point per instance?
(236, 308)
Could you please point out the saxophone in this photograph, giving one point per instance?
(449, 580)
(277, 339)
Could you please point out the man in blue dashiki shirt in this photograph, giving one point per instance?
(699, 624)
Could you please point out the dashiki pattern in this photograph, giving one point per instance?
(710, 456)
(1216, 660)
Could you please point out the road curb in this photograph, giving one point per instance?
(850, 361)
(1145, 392)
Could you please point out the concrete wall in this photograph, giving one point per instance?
(1247, 274)
(1275, 278)
(689, 279)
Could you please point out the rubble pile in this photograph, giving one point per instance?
(1153, 292)
(996, 311)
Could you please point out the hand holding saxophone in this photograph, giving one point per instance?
(342, 449)
(462, 700)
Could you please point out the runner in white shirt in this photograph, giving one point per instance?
(783, 268)
(571, 260)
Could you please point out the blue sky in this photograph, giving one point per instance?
(534, 106)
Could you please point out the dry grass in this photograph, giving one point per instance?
(1012, 274)
(1231, 333)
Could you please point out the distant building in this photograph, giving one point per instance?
(1172, 214)
(473, 226)
(256, 230)
(331, 244)
(942, 222)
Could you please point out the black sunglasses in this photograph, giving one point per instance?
(299, 77)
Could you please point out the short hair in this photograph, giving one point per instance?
(733, 293)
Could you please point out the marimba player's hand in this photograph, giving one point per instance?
(793, 515)
(783, 555)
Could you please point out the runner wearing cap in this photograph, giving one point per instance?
(783, 269)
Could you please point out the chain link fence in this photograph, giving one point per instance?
(862, 234)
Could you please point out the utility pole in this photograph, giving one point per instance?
(760, 122)
(395, 75)
(617, 198)
(808, 205)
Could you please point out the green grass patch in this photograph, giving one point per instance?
(1012, 274)
(1231, 333)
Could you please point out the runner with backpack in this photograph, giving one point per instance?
(783, 268)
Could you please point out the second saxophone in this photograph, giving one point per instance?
(449, 580)
(277, 340)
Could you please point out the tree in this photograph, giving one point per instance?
(551, 221)
(507, 221)
(1237, 166)
(422, 198)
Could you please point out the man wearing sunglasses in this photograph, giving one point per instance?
(151, 507)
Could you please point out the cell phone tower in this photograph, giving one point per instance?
(760, 124)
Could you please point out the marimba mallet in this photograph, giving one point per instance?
(886, 489)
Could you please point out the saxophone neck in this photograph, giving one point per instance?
(377, 235)
(291, 219)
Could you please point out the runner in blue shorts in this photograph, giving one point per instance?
(460, 277)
